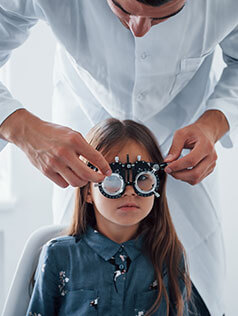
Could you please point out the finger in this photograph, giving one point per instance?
(80, 170)
(188, 161)
(57, 179)
(58, 171)
(197, 174)
(196, 155)
(209, 171)
(94, 156)
(48, 171)
(176, 147)
(69, 176)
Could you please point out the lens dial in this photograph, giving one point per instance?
(112, 186)
(145, 182)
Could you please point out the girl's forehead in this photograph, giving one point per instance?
(131, 148)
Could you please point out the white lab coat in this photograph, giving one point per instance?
(163, 80)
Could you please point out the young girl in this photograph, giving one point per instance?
(122, 256)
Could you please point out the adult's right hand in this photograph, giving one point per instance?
(54, 149)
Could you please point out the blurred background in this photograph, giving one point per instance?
(25, 194)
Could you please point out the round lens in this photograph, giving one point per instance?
(146, 182)
(113, 185)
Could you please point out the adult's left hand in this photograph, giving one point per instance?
(200, 137)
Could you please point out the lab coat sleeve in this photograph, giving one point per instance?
(225, 95)
(48, 282)
(16, 19)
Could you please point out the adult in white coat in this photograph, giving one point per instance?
(145, 60)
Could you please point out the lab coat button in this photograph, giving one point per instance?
(141, 96)
(144, 55)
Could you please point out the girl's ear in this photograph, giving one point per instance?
(89, 196)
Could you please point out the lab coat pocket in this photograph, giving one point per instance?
(145, 300)
(80, 302)
(187, 69)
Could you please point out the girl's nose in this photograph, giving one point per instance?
(139, 26)
(129, 191)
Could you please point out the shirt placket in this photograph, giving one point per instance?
(141, 91)
(121, 262)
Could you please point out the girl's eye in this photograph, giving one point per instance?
(142, 178)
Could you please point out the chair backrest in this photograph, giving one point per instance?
(18, 296)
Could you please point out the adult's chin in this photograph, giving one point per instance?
(124, 24)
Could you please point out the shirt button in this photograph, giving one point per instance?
(121, 266)
(144, 55)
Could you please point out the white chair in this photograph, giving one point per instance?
(18, 296)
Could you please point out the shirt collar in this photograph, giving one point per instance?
(106, 248)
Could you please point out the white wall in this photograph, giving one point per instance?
(228, 173)
(31, 82)
(31, 70)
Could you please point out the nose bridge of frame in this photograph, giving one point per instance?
(129, 176)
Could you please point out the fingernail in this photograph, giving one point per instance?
(168, 170)
(169, 157)
(108, 172)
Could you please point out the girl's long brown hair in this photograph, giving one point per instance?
(160, 239)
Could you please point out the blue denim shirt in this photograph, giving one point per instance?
(93, 275)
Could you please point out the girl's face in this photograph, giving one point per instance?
(121, 216)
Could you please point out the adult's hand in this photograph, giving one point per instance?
(54, 149)
(200, 137)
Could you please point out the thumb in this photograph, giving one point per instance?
(175, 149)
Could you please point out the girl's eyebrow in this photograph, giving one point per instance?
(160, 18)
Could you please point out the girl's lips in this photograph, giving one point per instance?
(129, 205)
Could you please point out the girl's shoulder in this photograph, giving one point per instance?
(61, 247)
(62, 242)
